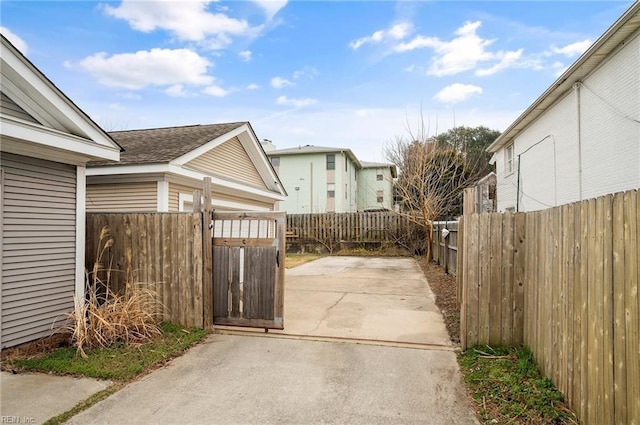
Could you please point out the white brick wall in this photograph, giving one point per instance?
(548, 148)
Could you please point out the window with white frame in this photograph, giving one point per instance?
(379, 196)
(509, 160)
(379, 175)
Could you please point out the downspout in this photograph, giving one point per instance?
(518, 187)
(311, 187)
(576, 90)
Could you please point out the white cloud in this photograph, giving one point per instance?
(253, 86)
(215, 91)
(177, 90)
(308, 71)
(278, 82)
(245, 55)
(558, 68)
(457, 92)
(462, 53)
(187, 20)
(156, 67)
(296, 103)
(129, 95)
(414, 68)
(271, 7)
(364, 113)
(396, 32)
(573, 49)
(507, 59)
(18, 42)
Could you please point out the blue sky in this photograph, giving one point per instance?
(350, 74)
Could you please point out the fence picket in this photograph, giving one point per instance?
(568, 284)
(163, 256)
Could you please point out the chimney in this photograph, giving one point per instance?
(267, 145)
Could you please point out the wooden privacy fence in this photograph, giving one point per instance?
(165, 255)
(563, 281)
(332, 228)
(445, 248)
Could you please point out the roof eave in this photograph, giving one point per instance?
(107, 141)
(580, 69)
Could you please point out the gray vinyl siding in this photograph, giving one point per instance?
(9, 107)
(38, 246)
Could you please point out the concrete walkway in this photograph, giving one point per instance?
(33, 398)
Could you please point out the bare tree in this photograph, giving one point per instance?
(431, 179)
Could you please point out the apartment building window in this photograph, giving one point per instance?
(379, 174)
(275, 161)
(345, 191)
(509, 165)
(331, 190)
(379, 196)
(346, 164)
(331, 161)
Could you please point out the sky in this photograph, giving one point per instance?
(352, 74)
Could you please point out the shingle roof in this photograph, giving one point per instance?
(162, 145)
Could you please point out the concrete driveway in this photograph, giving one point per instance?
(361, 298)
(363, 344)
(233, 379)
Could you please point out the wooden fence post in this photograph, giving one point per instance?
(460, 258)
(446, 252)
(207, 254)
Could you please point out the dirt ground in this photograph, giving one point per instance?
(444, 288)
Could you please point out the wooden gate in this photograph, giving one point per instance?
(248, 269)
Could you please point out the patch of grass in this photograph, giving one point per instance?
(507, 388)
(293, 260)
(386, 249)
(118, 362)
(83, 405)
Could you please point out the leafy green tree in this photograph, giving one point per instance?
(473, 143)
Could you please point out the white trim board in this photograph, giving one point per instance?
(162, 196)
(35, 134)
(81, 196)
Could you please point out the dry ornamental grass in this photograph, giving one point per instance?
(105, 317)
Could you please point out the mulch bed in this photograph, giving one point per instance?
(444, 287)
